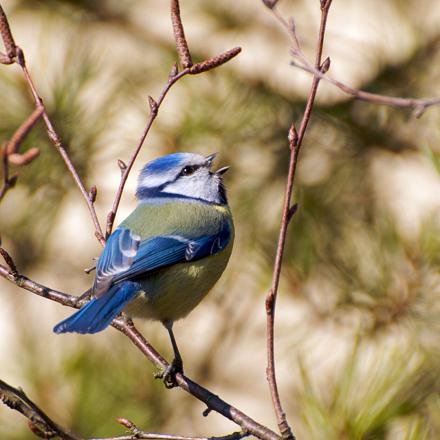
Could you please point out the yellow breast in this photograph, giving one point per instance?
(171, 293)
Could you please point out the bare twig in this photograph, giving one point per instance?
(214, 62)
(10, 155)
(154, 104)
(295, 140)
(136, 433)
(9, 261)
(125, 171)
(270, 3)
(418, 105)
(212, 401)
(179, 36)
(125, 326)
(39, 423)
(16, 54)
(8, 182)
(56, 140)
(44, 427)
(6, 35)
(23, 158)
(22, 131)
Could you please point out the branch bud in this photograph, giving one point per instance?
(92, 194)
(4, 59)
(179, 35)
(325, 65)
(206, 412)
(23, 130)
(122, 165)
(25, 158)
(270, 3)
(292, 136)
(214, 62)
(20, 58)
(325, 4)
(12, 180)
(153, 105)
(5, 32)
(174, 71)
(292, 212)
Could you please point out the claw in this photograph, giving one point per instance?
(168, 375)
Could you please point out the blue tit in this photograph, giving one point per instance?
(168, 253)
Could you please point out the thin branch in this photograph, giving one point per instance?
(123, 324)
(10, 155)
(8, 182)
(179, 36)
(214, 62)
(295, 141)
(212, 401)
(126, 326)
(136, 433)
(59, 146)
(186, 61)
(6, 35)
(9, 261)
(39, 423)
(44, 427)
(19, 135)
(14, 53)
(419, 106)
(154, 109)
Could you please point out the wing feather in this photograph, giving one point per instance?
(125, 257)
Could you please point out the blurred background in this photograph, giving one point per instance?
(358, 315)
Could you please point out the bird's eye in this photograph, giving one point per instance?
(188, 170)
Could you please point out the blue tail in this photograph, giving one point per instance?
(98, 313)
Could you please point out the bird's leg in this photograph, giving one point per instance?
(176, 366)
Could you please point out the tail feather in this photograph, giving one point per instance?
(98, 313)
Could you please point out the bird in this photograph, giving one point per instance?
(163, 259)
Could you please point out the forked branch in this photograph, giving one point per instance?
(10, 155)
(295, 140)
(44, 427)
(419, 106)
(185, 59)
(14, 54)
(126, 326)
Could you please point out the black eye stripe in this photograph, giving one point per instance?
(189, 169)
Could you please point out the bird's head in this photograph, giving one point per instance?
(182, 175)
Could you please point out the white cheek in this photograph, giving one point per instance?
(203, 187)
(190, 188)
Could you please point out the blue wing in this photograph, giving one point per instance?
(118, 255)
(98, 313)
(125, 258)
(167, 250)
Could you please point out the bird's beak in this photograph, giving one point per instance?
(222, 171)
(210, 159)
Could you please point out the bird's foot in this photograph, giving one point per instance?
(168, 375)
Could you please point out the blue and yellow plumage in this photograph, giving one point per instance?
(166, 256)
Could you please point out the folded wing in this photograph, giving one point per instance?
(124, 260)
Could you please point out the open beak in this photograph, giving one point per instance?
(222, 171)
(210, 159)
